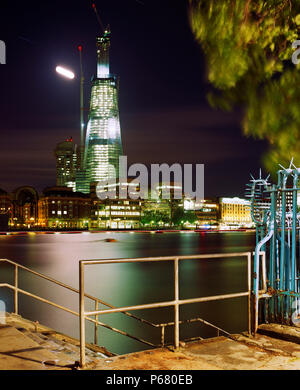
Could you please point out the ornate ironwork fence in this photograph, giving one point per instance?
(275, 211)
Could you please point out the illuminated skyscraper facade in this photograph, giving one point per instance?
(66, 161)
(103, 144)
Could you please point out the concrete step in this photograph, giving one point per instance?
(54, 349)
(282, 332)
(43, 335)
(19, 352)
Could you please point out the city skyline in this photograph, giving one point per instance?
(158, 124)
(149, 188)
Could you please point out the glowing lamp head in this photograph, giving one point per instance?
(65, 72)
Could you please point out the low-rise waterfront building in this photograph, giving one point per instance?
(114, 212)
(206, 212)
(200, 214)
(235, 212)
(6, 208)
(25, 207)
(61, 208)
(5, 202)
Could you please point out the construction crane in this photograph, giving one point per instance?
(98, 17)
(81, 107)
(80, 48)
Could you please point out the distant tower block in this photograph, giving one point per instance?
(103, 144)
(66, 160)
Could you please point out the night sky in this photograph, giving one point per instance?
(165, 117)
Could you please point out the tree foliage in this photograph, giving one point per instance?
(248, 48)
(180, 216)
(154, 217)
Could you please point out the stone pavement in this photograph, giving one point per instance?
(19, 352)
(25, 345)
(220, 353)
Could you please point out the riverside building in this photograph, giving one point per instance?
(6, 208)
(206, 212)
(62, 208)
(235, 212)
(114, 213)
(25, 207)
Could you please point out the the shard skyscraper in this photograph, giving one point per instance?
(103, 144)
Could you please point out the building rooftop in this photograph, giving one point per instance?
(63, 192)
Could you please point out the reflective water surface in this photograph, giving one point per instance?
(58, 255)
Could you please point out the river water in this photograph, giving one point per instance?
(58, 255)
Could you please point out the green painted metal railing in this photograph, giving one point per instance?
(275, 211)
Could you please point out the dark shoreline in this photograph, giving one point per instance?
(25, 232)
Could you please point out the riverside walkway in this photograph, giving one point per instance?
(25, 345)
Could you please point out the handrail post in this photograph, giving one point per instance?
(81, 314)
(264, 270)
(249, 292)
(176, 305)
(96, 324)
(163, 336)
(16, 290)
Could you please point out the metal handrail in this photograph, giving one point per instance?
(38, 298)
(167, 303)
(17, 290)
(97, 300)
(75, 313)
(198, 319)
(175, 303)
(7, 285)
